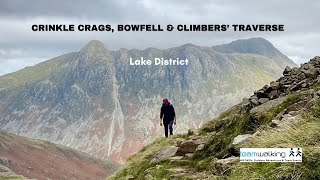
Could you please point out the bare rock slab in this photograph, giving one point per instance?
(164, 154)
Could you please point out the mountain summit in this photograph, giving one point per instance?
(259, 46)
(95, 101)
(93, 46)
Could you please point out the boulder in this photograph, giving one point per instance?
(240, 139)
(200, 147)
(261, 94)
(164, 154)
(222, 166)
(305, 66)
(273, 94)
(312, 72)
(288, 120)
(254, 101)
(188, 146)
(189, 155)
(301, 76)
(268, 105)
(275, 85)
(286, 70)
(274, 123)
(263, 100)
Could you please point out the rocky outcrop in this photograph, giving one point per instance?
(223, 166)
(5, 171)
(240, 139)
(164, 154)
(189, 146)
(234, 147)
(268, 105)
(294, 79)
(4, 161)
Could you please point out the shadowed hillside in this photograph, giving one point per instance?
(22, 158)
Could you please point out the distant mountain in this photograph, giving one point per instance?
(94, 101)
(23, 158)
(258, 46)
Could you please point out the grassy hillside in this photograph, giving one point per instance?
(22, 158)
(34, 73)
(304, 132)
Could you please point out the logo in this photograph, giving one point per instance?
(270, 154)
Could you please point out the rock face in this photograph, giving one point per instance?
(95, 101)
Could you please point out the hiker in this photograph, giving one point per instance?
(167, 116)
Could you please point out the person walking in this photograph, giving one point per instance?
(167, 117)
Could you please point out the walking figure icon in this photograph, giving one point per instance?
(291, 153)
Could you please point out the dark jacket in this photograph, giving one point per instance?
(167, 112)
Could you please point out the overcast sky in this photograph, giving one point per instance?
(21, 47)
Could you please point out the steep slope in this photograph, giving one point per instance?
(286, 116)
(94, 101)
(37, 159)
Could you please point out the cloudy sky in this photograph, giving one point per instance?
(21, 47)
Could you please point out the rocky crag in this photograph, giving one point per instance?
(285, 113)
(95, 102)
(294, 79)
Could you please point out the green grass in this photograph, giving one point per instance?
(34, 73)
(38, 144)
(12, 177)
(306, 135)
(225, 128)
(231, 124)
(139, 164)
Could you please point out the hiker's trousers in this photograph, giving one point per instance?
(168, 127)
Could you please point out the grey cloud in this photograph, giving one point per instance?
(113, 10)
(299, 41)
